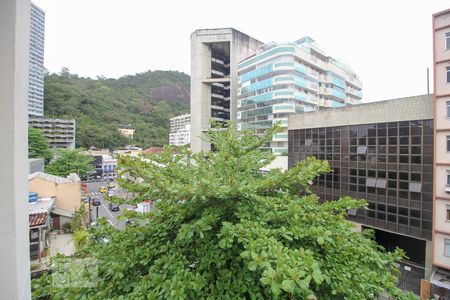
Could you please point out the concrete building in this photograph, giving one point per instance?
(14, 229)
(284, 79)
(36, 73)
(109, 166)
(126, 130)
(66, 191)
(441, 217)
(40, 222)
(381, 152)
(60, 133)
(215, 54)
(180, 130)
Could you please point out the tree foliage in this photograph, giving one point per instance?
(100, 105)
(70, 161)
(38, 145)
(223, 230)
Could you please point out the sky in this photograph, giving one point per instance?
(388, 43)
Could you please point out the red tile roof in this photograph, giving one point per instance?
(154, 150)
(38, 219)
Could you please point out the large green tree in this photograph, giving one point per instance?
(70, 161)
(223, 230)
(38, 145)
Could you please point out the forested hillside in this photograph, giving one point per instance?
(99, 105)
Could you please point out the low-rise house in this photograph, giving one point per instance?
(67, 193)
(40, 221)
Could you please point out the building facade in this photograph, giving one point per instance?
(66, 191)
(126, 130)
(60, 133)
(290, 78)
(441, 218)
(215, 54)
(36, 68)
(180, 130)
(381, 152)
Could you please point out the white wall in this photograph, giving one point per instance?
(14, 241)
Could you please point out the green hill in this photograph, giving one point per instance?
(99, 105)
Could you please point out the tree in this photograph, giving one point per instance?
(70, 161)
(38, 146)
(223, 230)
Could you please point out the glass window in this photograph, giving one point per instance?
(447, 247)
(448, 74)
(415, 187)
(448, 142)
(363, 149)
(381, 183)
(371, 182)
(447, 41)
(448, 178)
(448, 213)
(448, 109)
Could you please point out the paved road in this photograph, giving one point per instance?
(103, 209)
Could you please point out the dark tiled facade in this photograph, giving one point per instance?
(388, 164)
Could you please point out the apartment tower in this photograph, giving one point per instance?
(36, 71)
(284, 79)
(215, 54)
(180, 130)
(441, 216)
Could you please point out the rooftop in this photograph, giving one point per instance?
(42, 205)
(56, 179)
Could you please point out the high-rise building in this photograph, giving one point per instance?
(180, 130)
(215, 54)
(381, 152)
(36, 70)
(441, 216)
(60, 133)
(284, 79)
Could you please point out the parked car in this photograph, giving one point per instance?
(96, 202)
(111, 185)
(113, 207)
(102, 190)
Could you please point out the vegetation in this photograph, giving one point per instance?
(70, 161)
(100, 105)
(223, 230)
(38, 145)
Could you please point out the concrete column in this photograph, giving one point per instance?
(14, 236)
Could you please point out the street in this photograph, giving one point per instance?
(103, 210)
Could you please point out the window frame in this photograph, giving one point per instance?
(448, 74)
(447, 41)
(447, 104)
(447, 244)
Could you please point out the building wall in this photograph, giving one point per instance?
(238, 46)
(68, 195)
(441, 26)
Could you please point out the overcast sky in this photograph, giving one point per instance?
(388, 43)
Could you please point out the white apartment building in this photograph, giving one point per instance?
(180, 130)
(285, 79)
(36, 66)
